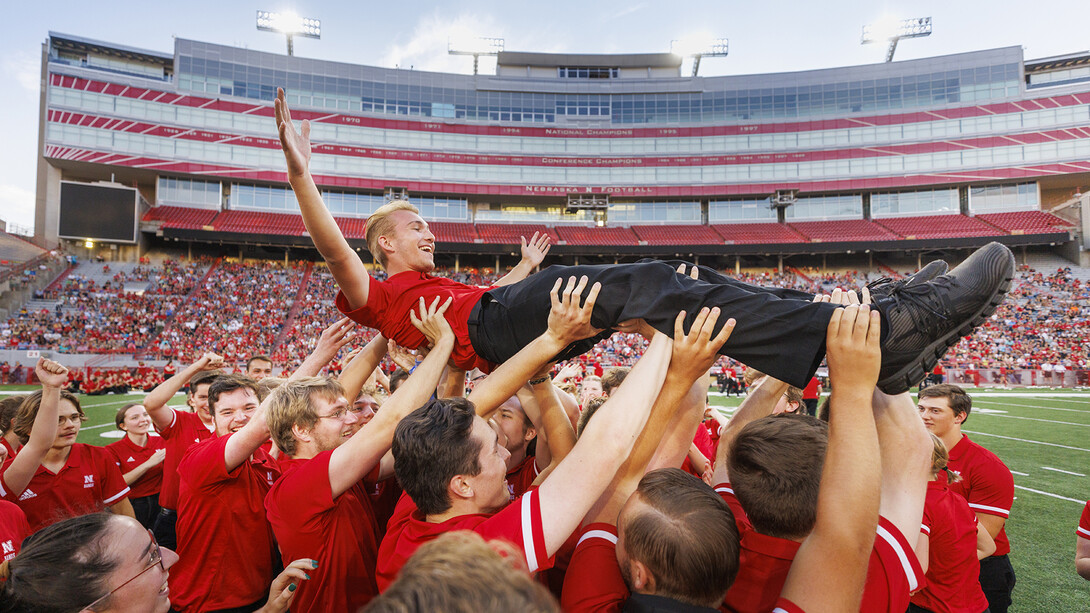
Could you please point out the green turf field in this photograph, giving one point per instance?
(1038, 433)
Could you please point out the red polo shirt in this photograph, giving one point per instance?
(521, 477)
(340, 533)
(893, 573)
(986, 483)
(225, 545)
(87, 483)
(726, 492)
(389, 303)
(953, 571)
(185, 430)
(519, 523)
(13, 529)
(129, 455)
(11, 450)
(594, 582)
(1084, 522)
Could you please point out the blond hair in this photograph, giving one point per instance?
(267, 385)
(379, 224)
(940, 457)
(290, 405)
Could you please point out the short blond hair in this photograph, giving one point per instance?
(267, 385)
(379, 224)
(290, 405)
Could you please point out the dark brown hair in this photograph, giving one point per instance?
(431, 445)
(228, 383)
(28, 412)
(956, 397)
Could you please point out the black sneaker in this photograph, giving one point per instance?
(923, 320)
(887, 285)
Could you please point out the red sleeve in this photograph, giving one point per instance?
(113, 485)
(205, 463)
(520, 523)
(894, 572)
(307, 492)
(171, 428)
(992, 489)
(784, 605)
(927, 522)
(369, 314)
(726, 492)
(593, 582)
(1084, 523)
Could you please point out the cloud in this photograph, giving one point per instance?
(426, 48)
(25, 69)
(17, 205)
(628, 10)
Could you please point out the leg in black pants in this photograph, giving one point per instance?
(164, 529)
(146, 509)
(997, 580)
(779, 331)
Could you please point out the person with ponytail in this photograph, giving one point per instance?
(140, 457)
(105, 563)
(950, 547)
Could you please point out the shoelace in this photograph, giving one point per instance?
(925, 297)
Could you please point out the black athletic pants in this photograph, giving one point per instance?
(997, 580)
(779, 332)
(146, 509)
(164, 529)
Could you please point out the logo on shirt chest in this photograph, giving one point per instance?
(7, 547)
(27, 495)
(88, 481)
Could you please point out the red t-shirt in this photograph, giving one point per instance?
(594, 582)
(953, 571)
(225, 545)
(129, 455)
(340, 533)
(185, 430)
(892, 574)
(703, 441)
(726, 492)
(810, 392)
(521, 477)
(986, 483)
(13, 529)
(87, 483)
(784, 605)
(1084, 523)
(389, 303)
(519, 523)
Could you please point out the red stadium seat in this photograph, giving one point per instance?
(180, 217)
(254, 222)
(508, 234)
(677, 235)
(939, 226)
(583, 235)
(756, 233)
(843, 230)
(453, 232)
(1026, 222)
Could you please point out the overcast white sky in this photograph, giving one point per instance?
(764, 37)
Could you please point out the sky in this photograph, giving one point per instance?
(770, 36)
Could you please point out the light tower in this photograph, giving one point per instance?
(476, 47)
(893, 31)
(697, 47)
(290, 25)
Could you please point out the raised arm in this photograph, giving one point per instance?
(906, 461)
(358, 456)
(847, 507)
(533, 253)
(332, 339)
(156, 401)
(568, 322)
(347, 269)
(360, 368)
(556, 437)
(53, 377)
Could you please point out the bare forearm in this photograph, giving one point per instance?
(851, 479)
(518, 273)
(420, 385)
(559, 434)
(343, 262)
(134, 475)
(759, 403)
(158, 398)
(505, 381)
(361, 367)
(684, 412)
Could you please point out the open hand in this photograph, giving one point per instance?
(536, 249)
(568, 321)
(334, 337)
(432, 321)
(696, 351)
(852, 347)
(296, 145)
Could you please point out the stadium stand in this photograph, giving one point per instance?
(508, 234)
(254, 222)
(182, 218)
(15, 250)
(677, 235)
(939, 226)
(1026, 222)
(844, 230)
(582, 235)
(450, 232)
(758, 233)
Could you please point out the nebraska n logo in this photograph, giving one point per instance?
(88, 481)
(7, 547)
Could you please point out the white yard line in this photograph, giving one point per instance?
(1060, 470)
(1030, 489)
(1023, 440)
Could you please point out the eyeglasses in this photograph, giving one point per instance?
(156, 560)
(338, 414)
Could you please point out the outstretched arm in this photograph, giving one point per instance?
(847, 507)
(54, 378)
(360, 368)
(156, 401)
(337, 335)
(533, 253)
(347, 269)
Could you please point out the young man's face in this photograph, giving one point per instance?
(68, 423)
(198, 399)
(938, 416)
(490, 485)
(412, 242)
(336, 422)
(259, 369)
(364, 408)
(590, 389)
(511, 421)
(233, 410)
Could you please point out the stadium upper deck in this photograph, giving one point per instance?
(876, 151)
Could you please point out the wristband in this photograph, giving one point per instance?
(539, 380)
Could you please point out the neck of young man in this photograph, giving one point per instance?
(57, 457)
(952, 437)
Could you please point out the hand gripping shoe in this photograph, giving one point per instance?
(923, 320)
